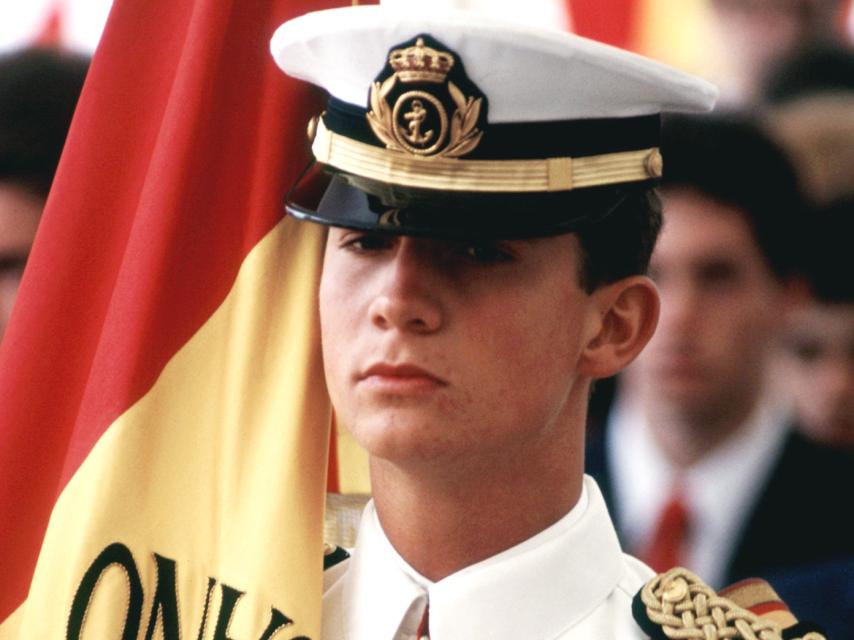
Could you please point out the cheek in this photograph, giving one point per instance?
(754, 325)
(532, 350)
(335, 327)
(740, 322)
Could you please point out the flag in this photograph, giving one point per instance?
(609, 21)
(163, 416)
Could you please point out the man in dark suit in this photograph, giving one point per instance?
(697, 457)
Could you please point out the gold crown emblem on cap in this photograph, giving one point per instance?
(420, 63)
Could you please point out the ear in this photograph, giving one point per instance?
(628, 314)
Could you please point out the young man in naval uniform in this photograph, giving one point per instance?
(488, 192)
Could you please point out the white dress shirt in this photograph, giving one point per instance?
(570, 581)
(720, 490)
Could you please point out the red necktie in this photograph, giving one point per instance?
(665, 549)
(424, 627)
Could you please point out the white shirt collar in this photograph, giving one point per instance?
(534, 590)
(721, 489)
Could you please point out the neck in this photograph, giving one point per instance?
(444, 518)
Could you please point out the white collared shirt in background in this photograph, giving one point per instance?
(720, 490)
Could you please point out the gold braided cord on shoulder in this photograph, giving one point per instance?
(502, 176)
(687, 609)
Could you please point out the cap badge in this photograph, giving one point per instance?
(412, 97)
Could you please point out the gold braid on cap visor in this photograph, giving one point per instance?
(510, 176)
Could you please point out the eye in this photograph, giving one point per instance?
(719, 273)
(485, 252)
(805, 349)
(366, 242)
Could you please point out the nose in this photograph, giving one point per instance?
(408, 299)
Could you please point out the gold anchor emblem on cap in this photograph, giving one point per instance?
(416, 119)
(404, 126)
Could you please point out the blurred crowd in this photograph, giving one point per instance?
(728, 446)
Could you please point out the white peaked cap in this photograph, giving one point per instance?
(529, 74)
(447, 122)
(551, 14)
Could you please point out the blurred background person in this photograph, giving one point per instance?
(808, 107)
(38, 92)
(698, 458)
(817, 359)
(820, 69)
(811, 111)
(753, 34)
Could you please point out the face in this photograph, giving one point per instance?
(439, 350)
(719, 302)
(19, 217)
(819, 361)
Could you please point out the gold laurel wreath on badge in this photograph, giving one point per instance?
(424, 64)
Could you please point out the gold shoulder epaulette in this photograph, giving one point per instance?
(677, 604)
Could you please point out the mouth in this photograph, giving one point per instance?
(402, 378)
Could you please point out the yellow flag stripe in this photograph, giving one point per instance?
(216, 476)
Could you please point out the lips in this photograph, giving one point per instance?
(402, 377)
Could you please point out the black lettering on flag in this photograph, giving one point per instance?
(278, 620)
(211, 584)
(165, 604)
(226, 610)
(230, 596)
(114, 554)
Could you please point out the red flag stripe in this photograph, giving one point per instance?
(610, 21)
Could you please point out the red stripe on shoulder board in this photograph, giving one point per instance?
(184, 139)
(761, 608)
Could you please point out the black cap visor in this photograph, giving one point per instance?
(333, 198)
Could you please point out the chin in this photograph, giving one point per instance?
(398, 436)
(688, 399)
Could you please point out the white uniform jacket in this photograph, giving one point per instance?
(571, 581)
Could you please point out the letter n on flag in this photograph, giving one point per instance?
(163, 418)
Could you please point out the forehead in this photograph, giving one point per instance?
(698, 227)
